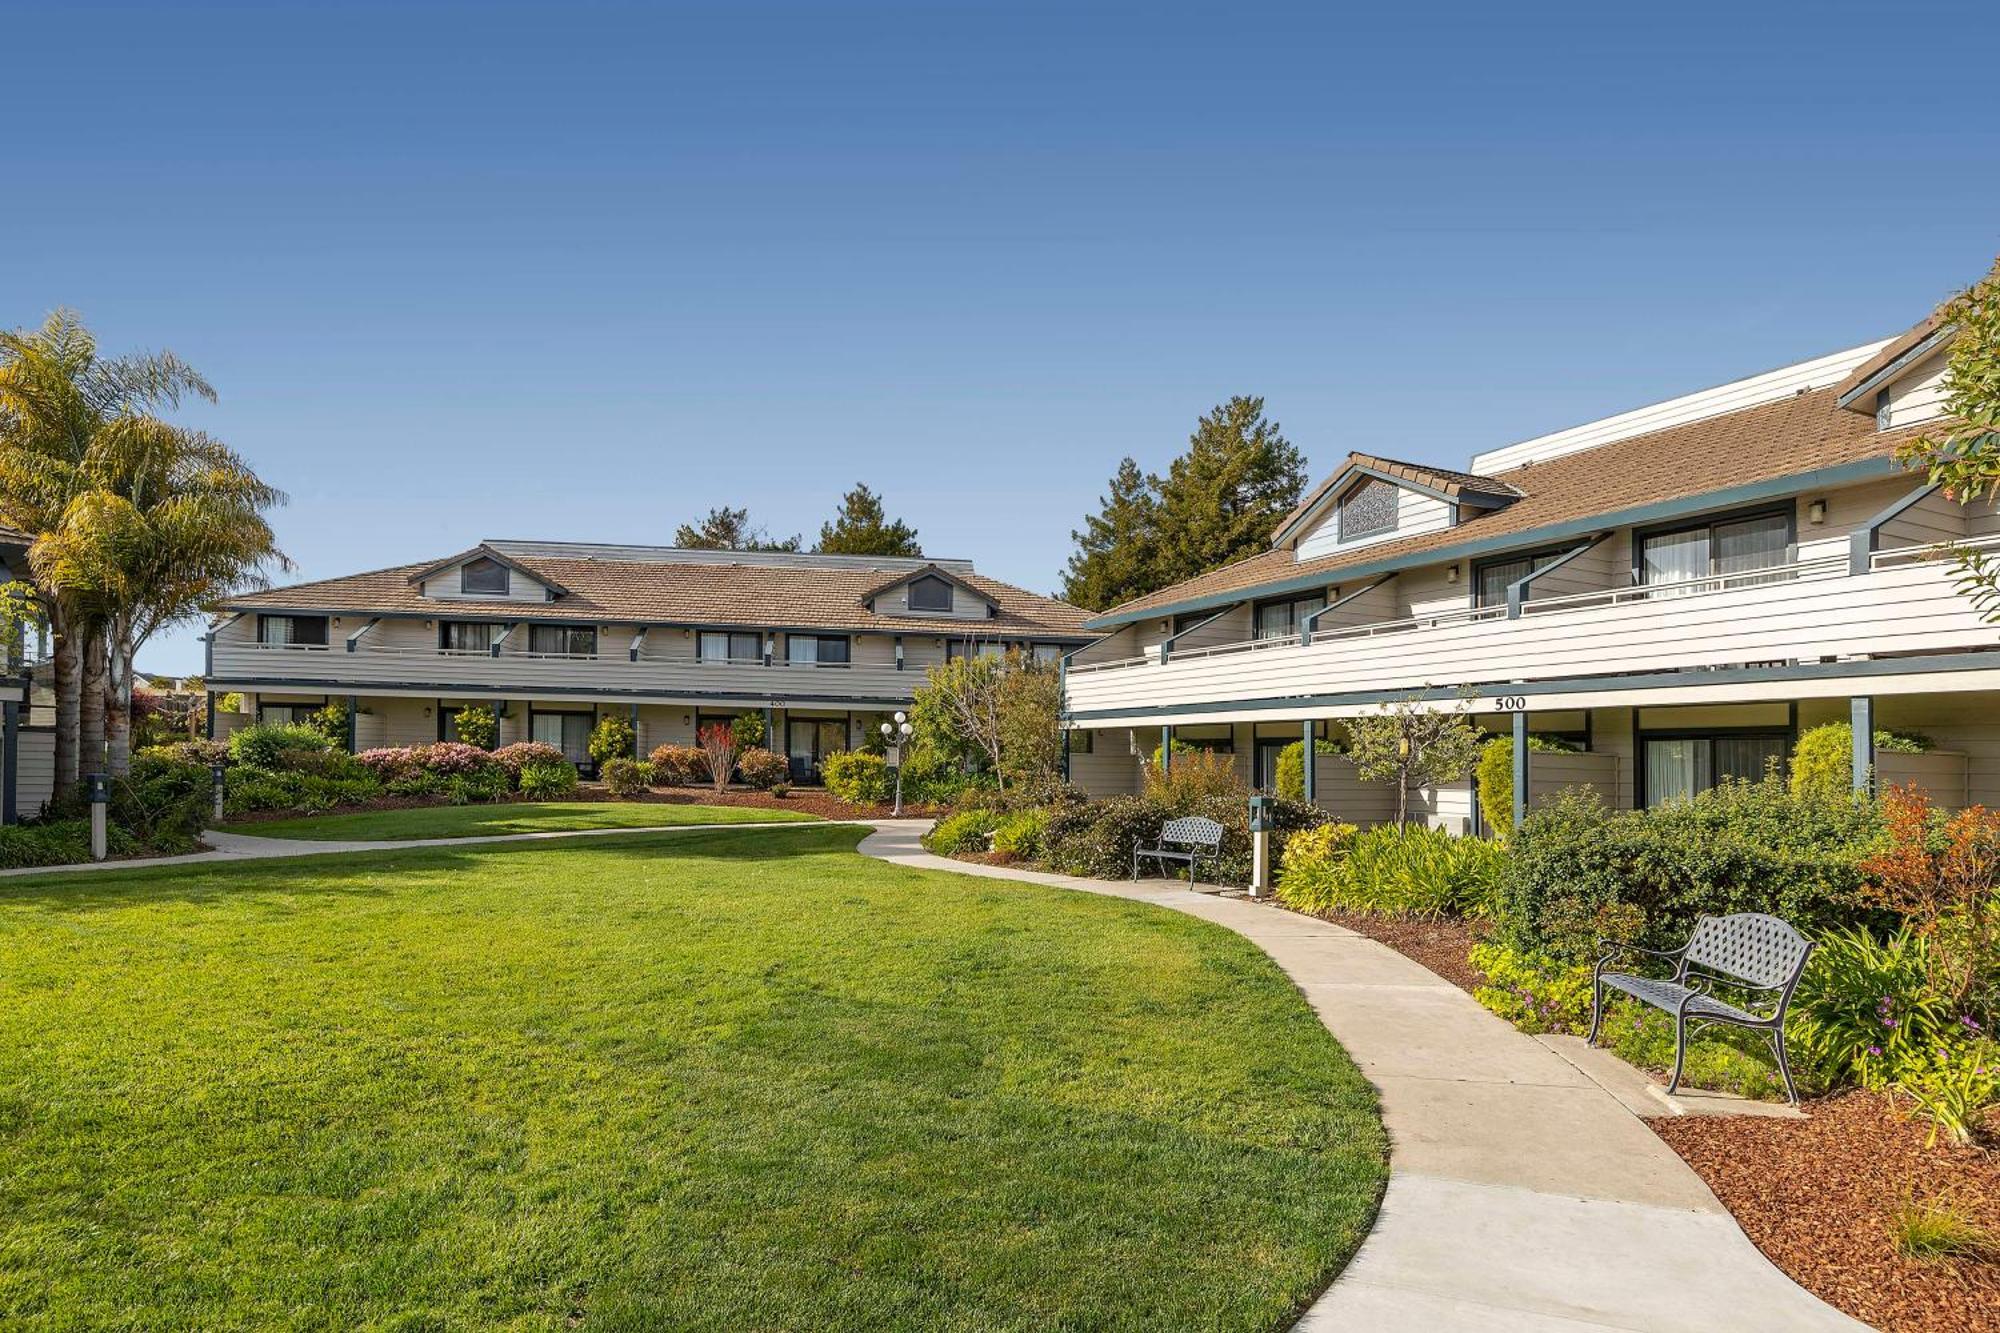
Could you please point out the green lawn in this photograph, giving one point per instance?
(472, 821)
(730, 1080)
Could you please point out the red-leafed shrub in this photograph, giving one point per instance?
(762, 768)
(678, 766)
(520, 754)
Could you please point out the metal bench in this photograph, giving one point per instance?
(1187, 840)
(1748, 951)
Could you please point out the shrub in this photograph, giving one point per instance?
(856, 776)
(1194, 776)
(247, 790)
(624, 777)
(931, 777)
(762, 768)
(718, 751)
(781, 790)
(678, 766)
(1020, 834)
(1310, 859)
(963, 831)
(513, 758)
(1823, 758)
(747, 729)
(1940, 873)
(1577, 872)
(1096, 838)
(489, 784)
(1495, 777)
(1954, 1084)
(545, 781)
(321, 763)
(389, 763)
(1290, 781)
(1411, 871)
(262, 745)
(1864, 1007)
(205, 753)
(55, 842)
(330, 722)
(453, 759)
(612, 738)
(1532, 991)
(477, 726)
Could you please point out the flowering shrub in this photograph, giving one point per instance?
(390, 762)
(1864, 1007)
(719, 750)
(1940, 873)
(678, 766)
(452, 759)
(1954, 1084)
(513, 758)
(1532, 991)
(763, 769)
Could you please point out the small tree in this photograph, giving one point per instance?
(719, 747)
(1963, 453)
(612, 738)
(957, 711)
(1030, 722)
(475, 725)
(331, 722)
(1415, 746)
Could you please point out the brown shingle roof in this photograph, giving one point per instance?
(665, 592)
(1795, 435)
(1888, 356)
(1443, 480)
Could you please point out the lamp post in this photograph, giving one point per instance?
(895, 734)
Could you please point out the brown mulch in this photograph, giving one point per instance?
(1440, 945)
(1816, 1196)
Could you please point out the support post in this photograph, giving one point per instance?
(353, 710)
(1312, 759)
(1065, 756)
(1862, 712)
(771, 733)
(10, 762)
(1166, 749)
(209, 712)
(1520, 768)
(99, 836)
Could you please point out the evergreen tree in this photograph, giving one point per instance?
(1220, 500)
(1116, 550)
(862, 527)
(726, 529)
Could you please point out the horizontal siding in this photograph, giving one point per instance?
(1919, 394)
(1416, 513)
(34, 770)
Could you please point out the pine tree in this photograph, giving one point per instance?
(1116, 550)
(1221, 499)
(862, 527)
(726, 529)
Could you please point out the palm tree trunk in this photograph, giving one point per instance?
(68, 680)
(90, 703)
(118, 704)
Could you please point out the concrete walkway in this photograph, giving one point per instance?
(242, 847)
(1522, 1195)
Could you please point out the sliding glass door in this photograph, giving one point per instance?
(568, 732)
(1678, 767)
(1734, 547)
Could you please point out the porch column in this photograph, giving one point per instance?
(1166, 749)
(1862, 712)
(1065, 755)
(353, 709)
(1520, 768)
(1312, 759)
(771, 741)
(209, 715)
(10, 746)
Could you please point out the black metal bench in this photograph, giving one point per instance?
(1186, 840)
(1748, 951)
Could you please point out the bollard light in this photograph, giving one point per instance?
(218, 775)
(99, 794)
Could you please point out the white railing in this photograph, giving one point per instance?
(1798, 612)
(1930, 552)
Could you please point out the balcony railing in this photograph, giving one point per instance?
(336, 667)
(1801, 611)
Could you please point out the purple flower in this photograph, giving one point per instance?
(1889, 1023)
(1874, 1050)
(1970, 1022)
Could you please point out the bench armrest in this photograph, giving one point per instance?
(1609, 949)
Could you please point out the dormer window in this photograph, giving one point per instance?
(930, 593)
(1369, 510)
(483, 577)
(1882, 410)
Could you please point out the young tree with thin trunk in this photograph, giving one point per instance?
(720, 748)
(1415, 745)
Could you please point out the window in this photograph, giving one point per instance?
(292, 631)
(568, 732)
(567, 640)
(1369, 510)
(466, 636)
(285, 715)
(1882, 412)
(1492, 580)
(1047, 654)
(957, 648)
(1723, 546)
(483, 578)
(1677, 767)
(730, 646)
(1279, 620)
(816, 649)
(930, 593)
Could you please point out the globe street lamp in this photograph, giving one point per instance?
(896, 734)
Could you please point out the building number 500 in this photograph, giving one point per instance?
(1512, 703)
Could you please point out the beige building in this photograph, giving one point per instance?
(1674, 592)
(555, 635)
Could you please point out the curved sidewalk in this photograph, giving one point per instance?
(1522, 1196)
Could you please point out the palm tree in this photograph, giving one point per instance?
(134, 520)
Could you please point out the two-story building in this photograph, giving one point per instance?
(27, 752)
(553, 635)
(1673, 592)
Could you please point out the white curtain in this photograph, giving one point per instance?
(1676, 769)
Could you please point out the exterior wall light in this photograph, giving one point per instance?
(1451, 573)
(1816, 512)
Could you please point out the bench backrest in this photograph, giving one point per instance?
(1748, 946)
(1192, 831)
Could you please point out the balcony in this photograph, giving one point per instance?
(243, 663)
(1905, 603)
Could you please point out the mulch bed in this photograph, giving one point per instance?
(1441, 946)
(1816, 1196)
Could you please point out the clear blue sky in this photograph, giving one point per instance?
(583, 270)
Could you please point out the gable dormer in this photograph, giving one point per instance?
(931, 590)
(1372, 500)
(485, 575)
(1903, 384)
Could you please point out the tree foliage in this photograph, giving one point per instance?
(726, 529)
(863, 527)
(1218, 502)
(1414, 745)
(1963, 453)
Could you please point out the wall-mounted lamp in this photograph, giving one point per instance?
(1816, 512)
(1451, 573)
(427, 710)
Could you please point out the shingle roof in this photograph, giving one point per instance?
(1443, 480)
(1888, 356)
(1795, 435)
(665, 592)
